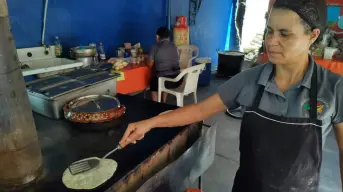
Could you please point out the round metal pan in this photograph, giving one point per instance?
(94, 112)
(83, 51)
(90, 127)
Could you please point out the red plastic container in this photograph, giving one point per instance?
(181, 21)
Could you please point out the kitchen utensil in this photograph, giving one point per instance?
(83, 166)
(83, 51)
(86, 165)
(92, 179)
(48, 95)
(93, 109)
(87, 61)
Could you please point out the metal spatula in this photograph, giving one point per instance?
(86, 165)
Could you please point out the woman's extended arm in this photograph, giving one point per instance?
(179, 117)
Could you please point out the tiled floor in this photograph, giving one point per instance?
(219, 178)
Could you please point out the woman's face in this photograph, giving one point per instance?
(286, 39)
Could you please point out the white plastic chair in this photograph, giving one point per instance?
(190, 85)
(187, 53)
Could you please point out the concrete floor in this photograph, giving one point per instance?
(220, 176)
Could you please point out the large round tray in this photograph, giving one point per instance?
(93, 109)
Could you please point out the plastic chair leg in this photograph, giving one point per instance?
(179, 100)
(195, 97)
(146, 91)
(200, 183)
(159, 96)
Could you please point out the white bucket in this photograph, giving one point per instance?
(329, 52)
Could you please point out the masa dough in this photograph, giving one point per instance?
(90, 179)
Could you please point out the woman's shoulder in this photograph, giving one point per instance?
(252, 74)
(247, 79)
(330, 91)
(329, 79)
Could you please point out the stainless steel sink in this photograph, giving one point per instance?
(42, 61)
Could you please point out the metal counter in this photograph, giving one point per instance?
(61, 145)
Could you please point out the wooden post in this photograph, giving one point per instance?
(3, 8)
(20, 154)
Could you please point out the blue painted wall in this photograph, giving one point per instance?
(26, 21)
(179, 8)
(210, 31)
(333, 13)
(80, 22)
(211, 28)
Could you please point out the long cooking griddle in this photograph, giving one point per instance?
(61, 145)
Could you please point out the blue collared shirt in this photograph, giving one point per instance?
(242, 89)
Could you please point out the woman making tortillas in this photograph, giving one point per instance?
(290, 105)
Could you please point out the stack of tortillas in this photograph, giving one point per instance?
(90, 179)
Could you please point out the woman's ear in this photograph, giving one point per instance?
(315, 34)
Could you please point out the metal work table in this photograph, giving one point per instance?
(61, 145)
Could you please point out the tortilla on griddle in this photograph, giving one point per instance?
(90, 179)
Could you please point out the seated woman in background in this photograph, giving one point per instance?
(164, 60)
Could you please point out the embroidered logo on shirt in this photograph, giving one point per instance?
(322, 107)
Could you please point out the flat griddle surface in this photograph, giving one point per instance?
(62, 145)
